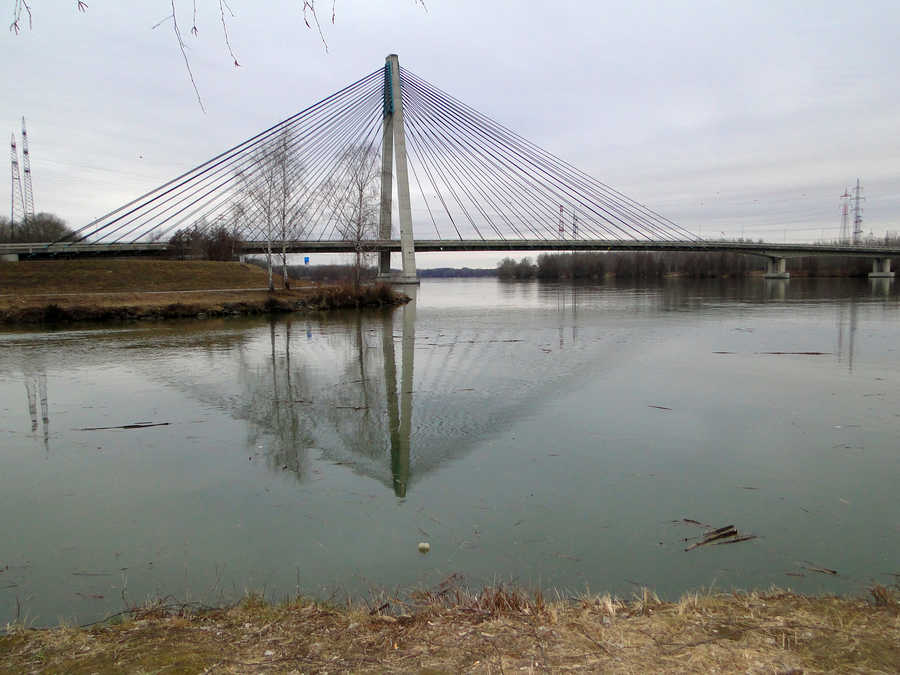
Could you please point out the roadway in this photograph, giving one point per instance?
(768, 250)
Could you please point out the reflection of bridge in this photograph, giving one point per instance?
(312, 183)
(376, 392)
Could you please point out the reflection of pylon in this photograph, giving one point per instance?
(17, 207)
(32, 402)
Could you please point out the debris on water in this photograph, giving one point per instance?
(795, 574)
(805, 564)
(736, 540)
(90, 596)
(659, 407)
(843, 501)
(723, 352)
(728, 534)
(795, 353)
(351, 407)
(748, 487)
(691, 521)
(424, 547)
(135, 425)
(91, 574)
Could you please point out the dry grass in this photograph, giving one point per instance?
(101, 290)
(496, 630)
(132, 275)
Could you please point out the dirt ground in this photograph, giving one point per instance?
(133, 275)
(62, 291)
(493, 631)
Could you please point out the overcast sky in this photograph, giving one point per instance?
(727, 117)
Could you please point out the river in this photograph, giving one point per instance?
(547, 435)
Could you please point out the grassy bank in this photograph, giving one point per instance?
(102, 290)
(34, 277)
(493, 631)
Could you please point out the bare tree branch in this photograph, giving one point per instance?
(356, 204)
(223, 5)
(18, 8)
(22, 9)
(272, 184)
(187, 63)
(309, 10)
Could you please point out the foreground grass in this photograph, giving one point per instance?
(101, 290)
(492, 631)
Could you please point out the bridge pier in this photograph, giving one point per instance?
(881, 269)
(777, 269)
(14, 257)
(394, 151)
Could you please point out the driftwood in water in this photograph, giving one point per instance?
(815, 568)
(136, 425)
(721, 535)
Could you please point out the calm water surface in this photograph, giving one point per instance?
(542, 434)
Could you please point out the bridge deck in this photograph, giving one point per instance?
(87, 249)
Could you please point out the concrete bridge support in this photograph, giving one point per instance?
(777, 269)
(9, 257)
(881, 269)
(394, 152)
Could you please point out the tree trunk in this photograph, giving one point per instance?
(269, 260)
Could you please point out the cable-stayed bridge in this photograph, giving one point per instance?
(325, 180)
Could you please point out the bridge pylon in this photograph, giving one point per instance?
(393, 150)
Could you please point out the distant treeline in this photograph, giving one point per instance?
(445, 272)
(43, 227)
(368, 273)
(656, 265)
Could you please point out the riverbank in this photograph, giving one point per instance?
(496, 630)
(108, 290)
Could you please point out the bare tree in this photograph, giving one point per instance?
(356, 200)
(273, 185)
